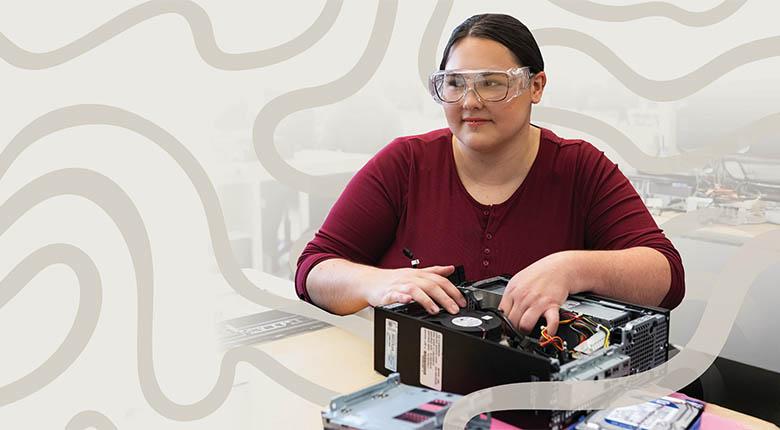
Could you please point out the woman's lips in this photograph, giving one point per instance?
(475, 122)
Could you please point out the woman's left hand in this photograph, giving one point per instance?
(539, 290)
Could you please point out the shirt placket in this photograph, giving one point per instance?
(488, 218)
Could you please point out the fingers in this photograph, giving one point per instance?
(437, 293)
(441, 297)
(552, 317)
(428, 287)
(529, 319)
(396, 297)
(439, 270)
(419, 296)
(505, 305)
(448, 288)
(524, 310)
(517, 312)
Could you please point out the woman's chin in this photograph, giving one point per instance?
(477, 141)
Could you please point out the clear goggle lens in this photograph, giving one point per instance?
(451, 86)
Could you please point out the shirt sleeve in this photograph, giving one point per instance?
(362, 223)
(616, 217)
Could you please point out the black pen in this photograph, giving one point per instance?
(408, 253)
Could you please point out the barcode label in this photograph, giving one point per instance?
(391, 345)
(430, 358)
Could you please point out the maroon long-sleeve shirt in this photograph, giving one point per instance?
(410, 196)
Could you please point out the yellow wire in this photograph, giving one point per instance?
(606, 330)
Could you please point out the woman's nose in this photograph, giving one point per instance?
(471, 99)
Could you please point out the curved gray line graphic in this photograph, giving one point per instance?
(615, 138)
(117, 204)
(90, 301)
(720, 313)
(602, 12)
(426, 57)
(74, 116)
(202, 33)
(653, 89)
(279, 108)
(90, 419)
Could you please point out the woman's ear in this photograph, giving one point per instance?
(537, 86)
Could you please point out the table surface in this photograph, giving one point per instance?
(332, 358)
(719, 232)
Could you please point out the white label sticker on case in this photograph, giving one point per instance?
(430, 358)
(391, 345)
(467, 322)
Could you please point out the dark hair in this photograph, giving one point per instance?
(503, 29)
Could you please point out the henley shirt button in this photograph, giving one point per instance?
(485, 263)
(489, 236)
(487, 251)
(486, 213)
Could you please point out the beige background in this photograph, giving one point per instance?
(154, 71)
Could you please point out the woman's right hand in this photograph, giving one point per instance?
(427, 286)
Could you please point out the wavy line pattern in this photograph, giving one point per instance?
(90, 419)
(755, 256)
(205, 42)
(609, 13)
(90, 302)
(74, 116)
(662, 91)
(656, 90)
(426, 56)
(119, 207)
(202, 33)
(53, 185)
(279, 108)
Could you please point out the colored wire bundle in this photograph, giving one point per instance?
(578, 323)
(555, 341)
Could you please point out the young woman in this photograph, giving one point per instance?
(494, 193)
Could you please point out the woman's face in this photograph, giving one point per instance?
(485, 126)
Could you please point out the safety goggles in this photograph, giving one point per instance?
(451, 86)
